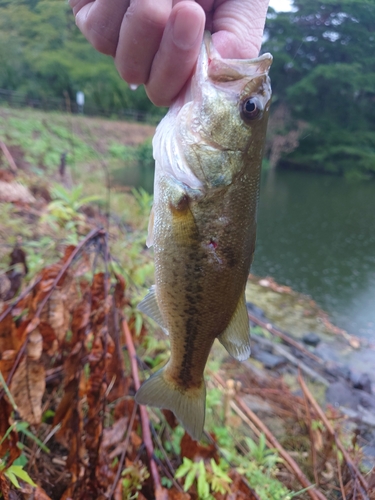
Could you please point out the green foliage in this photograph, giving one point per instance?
(208, 479)
(43, 54)
(43, 138)
(133, 478)
(324, 74)
(15, 472)
(63, 211)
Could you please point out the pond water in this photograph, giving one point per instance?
(316, 233)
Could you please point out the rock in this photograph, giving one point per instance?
(366, 400)
(337, 370)
(361, 381)
(369, 456)
(341, 394)
(255, 310)
(311, 338)
(326, 352)
(269, 361)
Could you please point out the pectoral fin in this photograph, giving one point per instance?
(236, 337)
(149, 306)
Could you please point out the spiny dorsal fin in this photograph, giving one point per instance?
(149, 306)
(236, 337)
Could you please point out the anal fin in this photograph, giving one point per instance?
(236, 337)
(149, 305)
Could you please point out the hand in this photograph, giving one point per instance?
(157, 42)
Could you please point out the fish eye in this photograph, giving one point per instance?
(251, 108)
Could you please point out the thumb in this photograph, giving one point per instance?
(237, 27)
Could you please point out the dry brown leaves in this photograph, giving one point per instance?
(66, 327)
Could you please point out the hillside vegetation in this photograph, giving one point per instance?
(323, 76)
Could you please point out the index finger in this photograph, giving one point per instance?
(100, 22)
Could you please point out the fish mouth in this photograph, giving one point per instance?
(219, 69)
(211, 66)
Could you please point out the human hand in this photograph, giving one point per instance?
(157, 42)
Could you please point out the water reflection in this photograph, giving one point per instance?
(317, 234)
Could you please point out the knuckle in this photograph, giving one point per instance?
(152, 15)
(102, 40)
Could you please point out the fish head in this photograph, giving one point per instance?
(224, 116)
(217, 125)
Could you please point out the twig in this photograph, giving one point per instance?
(248, 422)
(92, 234)
(292, 465)
(284, 337)
(10, 308)
(340, 476)
(123, 454)
(8, 156)
(313, 450)
(166, 458)
(143, 412)
(332, 431)
(34, 322)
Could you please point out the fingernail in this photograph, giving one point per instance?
(186, 29)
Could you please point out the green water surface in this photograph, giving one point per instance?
(316, 233)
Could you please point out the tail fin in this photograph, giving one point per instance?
(188, 405)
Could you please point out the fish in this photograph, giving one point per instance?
(208, 152)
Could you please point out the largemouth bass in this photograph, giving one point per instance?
(208, 152)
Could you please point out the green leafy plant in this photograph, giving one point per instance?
(15, 472)
(66, 204)
(210, 479)
(133, 478)
(265, 457)
(144, 200)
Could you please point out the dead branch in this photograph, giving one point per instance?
(143, 412)
(122, 458)
(292, 465)
(331, 430)
(340, 477)
(8, 156)
(10, 308)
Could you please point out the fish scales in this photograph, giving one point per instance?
(208, 152)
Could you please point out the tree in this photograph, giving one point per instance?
(43, 54)
(324, 72)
